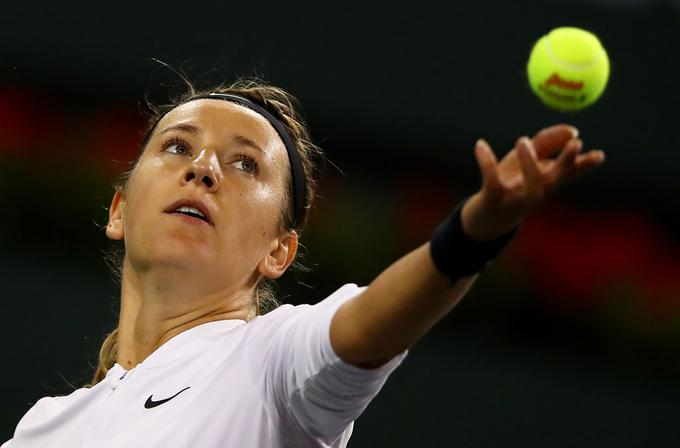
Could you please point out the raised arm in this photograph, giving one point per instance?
(412, 295)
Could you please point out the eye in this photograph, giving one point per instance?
(248, 163)
(176, 146)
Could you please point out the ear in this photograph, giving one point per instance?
(114, 229)
(281, 254)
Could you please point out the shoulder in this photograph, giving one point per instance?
(288, 311)
(287, 315)
(47, 407)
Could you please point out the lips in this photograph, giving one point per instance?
(195, 203)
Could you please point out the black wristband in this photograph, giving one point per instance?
(456, 255)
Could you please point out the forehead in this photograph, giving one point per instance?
(225, 119)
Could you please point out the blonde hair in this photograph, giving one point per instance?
(285, 107)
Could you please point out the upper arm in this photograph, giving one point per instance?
(404, 302)
(348, 340)
(307, 380)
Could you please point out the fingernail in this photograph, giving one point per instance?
(574, 131)
(521, 144)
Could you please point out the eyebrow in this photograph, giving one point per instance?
(193, 129)
(186, 127)
(245, 141)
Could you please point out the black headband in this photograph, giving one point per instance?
(298, 172)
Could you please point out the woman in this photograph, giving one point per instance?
(210, 212)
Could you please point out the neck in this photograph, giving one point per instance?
(157, 306)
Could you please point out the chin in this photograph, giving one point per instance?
(179, 254)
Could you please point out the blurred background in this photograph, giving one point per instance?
(570, 338)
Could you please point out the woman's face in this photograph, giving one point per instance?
(230, 162)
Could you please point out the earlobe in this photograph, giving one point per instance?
(114, 228)
(280, 257)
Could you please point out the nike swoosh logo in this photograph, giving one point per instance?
(152, 404)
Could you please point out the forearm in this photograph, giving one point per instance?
(396, 310)
(410, 296)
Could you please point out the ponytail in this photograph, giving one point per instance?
(108, 354)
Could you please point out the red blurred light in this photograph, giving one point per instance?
(574, 256)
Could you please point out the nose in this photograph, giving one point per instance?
(203, 169)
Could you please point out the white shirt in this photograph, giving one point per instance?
(272, 382)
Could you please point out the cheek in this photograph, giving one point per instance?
(245, 233)
(268, 206)
(261, 207)
(142, 202)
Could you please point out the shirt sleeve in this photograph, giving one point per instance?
(306, 380)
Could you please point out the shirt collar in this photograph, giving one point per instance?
(183, 344)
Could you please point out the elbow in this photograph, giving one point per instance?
(357, 347)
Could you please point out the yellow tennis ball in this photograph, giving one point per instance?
(568, 68)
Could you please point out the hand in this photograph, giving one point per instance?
(514, 186)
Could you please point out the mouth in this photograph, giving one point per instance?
(195, 210)
(190, 219)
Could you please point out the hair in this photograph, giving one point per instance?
(284, 107)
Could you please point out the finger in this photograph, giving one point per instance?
(486, 159)
(569, 153)
(588, 160)
(529, 164)
(564, 165)
(549, 140)
(580, 165)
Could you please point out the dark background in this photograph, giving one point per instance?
(571, 338)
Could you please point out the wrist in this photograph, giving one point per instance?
(456, 254)
(479, 223)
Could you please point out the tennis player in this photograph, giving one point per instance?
(210, 212)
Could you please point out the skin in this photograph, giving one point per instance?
(411, 295)
(177, 275)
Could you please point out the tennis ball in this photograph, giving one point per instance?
(568, 68)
